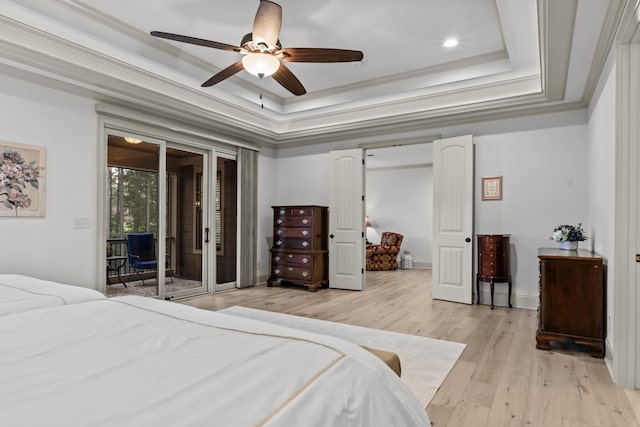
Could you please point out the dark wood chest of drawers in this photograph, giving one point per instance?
(493, 262)
(572, 300)
(300, 246)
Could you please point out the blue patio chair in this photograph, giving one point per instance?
(141, 251)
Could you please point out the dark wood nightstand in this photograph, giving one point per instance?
(572, 306)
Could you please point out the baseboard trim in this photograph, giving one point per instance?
(608, 356)
(423, 265)
(261, 278)
(500, 300)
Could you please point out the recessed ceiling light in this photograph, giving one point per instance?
(132, 140)
(450, 43)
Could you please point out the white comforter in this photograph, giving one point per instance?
(133, 361)
(22, 293)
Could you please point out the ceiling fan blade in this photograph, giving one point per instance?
(194, 40)
(285, 77)
(311, 54)
(266, 25)
(226, 73)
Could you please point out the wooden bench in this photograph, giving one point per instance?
(390, 358)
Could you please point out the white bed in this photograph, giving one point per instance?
(20, 293)
(133, 361)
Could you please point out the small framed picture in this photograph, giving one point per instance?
(492, 188)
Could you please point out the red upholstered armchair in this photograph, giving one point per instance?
(385, 255)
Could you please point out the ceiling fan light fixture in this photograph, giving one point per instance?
(132, 140)
(260, 64)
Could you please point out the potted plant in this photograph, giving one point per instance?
(568, 236)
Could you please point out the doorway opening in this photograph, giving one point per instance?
(399, 200)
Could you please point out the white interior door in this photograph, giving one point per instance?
(346, 220)
(453, 219)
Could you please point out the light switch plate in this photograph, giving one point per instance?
(82, 223)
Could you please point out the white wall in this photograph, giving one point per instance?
(601, 165)
(50, 247)
(544, 170)
(544, 176)
(401, 200)
(545, 183)
(300, 180)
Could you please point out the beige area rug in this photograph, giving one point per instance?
(426, 362)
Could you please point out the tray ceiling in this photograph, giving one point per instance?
(511, 55)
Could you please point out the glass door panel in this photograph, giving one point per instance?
(226, 224)
(186, 226)
(133, 216)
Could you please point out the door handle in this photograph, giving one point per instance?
(331, 236)
(206, 234)
(468, 239)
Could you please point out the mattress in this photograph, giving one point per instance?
(22, 293)
(133, 361)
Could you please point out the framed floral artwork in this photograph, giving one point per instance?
(492, 188)
(22, 191)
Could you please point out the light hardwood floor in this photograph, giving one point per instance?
(500, 378)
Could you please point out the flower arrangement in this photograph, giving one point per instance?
(569, 233)
(15, 174)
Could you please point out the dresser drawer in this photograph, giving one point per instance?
(492, 247)
(292, 232)
(293, 221)
(496, 271)
(492, 271)
(292, 259)
(294, 211)
(493, 264)
(489, 239)
(491, 256)
(292, 243)
(291, 272)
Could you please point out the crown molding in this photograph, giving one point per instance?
(605, 42)
(629, 25)
(556, 21)
(400, 167)
(401, 142)
(388, 134)
(492, 57)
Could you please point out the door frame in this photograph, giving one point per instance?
(208, 268)
(116, 121)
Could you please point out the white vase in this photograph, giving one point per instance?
(569, 245)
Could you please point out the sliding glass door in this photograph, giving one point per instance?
(159, 210)
(226, 223)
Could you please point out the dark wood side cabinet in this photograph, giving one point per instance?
(572, 300)
(493, 262)
(300, 246)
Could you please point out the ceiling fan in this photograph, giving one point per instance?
(263, 54)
